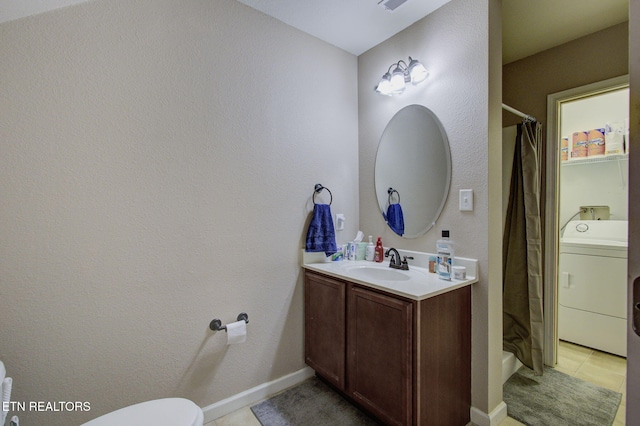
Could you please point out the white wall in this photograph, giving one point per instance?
(158, 159)
(453, 45)
(594, 184)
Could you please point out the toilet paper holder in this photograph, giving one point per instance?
(216, 324)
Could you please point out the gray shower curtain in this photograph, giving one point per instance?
(523, 328)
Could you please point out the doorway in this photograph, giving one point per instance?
(587, 197)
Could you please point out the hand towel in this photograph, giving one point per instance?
(321, 236)
(395, 218)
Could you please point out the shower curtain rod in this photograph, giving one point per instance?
(518, 113)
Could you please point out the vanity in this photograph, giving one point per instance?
(396, 343)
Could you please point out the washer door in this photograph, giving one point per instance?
(593, 283)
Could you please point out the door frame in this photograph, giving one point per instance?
(551, 240)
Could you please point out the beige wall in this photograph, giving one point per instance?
(457, 91)
(596, 57)
(158, 159)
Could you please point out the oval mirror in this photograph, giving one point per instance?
(412, 171)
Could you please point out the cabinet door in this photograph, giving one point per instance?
(324, 326)
(379, 356)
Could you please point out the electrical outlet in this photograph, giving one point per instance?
(339, 221)
(466, 200)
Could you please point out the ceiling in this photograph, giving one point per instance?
(353, 25)
(15, 9)
(358, 25)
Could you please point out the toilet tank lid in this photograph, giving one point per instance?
(158, 412)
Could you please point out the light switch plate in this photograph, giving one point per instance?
(466, 200)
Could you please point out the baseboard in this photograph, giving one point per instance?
(255, 394)
(480, 418)
(510, 364)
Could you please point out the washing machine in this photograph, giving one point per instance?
(592, 285)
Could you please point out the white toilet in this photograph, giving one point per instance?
(158, 412)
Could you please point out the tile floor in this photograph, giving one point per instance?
(241, 417)
(606, 370)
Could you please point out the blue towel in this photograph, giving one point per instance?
(321, 235)
(395, 218)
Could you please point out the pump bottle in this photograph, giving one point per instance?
(371, 250)
(379, 251)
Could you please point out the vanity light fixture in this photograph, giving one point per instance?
(394, 81)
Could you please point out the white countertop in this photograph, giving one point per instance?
(417, 283)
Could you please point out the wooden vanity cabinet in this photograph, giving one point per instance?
(324, 327)
(379, 354)
(404, 361)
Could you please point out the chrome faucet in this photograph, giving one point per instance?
(395, 261)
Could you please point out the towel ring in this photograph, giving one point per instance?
(317, 189)
(390, 191)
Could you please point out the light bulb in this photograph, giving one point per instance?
(397, 80)
(417, 71)
(384, 86)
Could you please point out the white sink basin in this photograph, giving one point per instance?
(378, 273)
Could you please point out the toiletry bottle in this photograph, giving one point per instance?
(361, 253)
(444, 250)
(379, 251)
(432, 264)
(371, 250)
(353, 247)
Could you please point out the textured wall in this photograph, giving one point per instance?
(457, 91)
(527, 82)
(158, 159)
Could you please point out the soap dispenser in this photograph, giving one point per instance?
(379, 251)
(371, 250)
